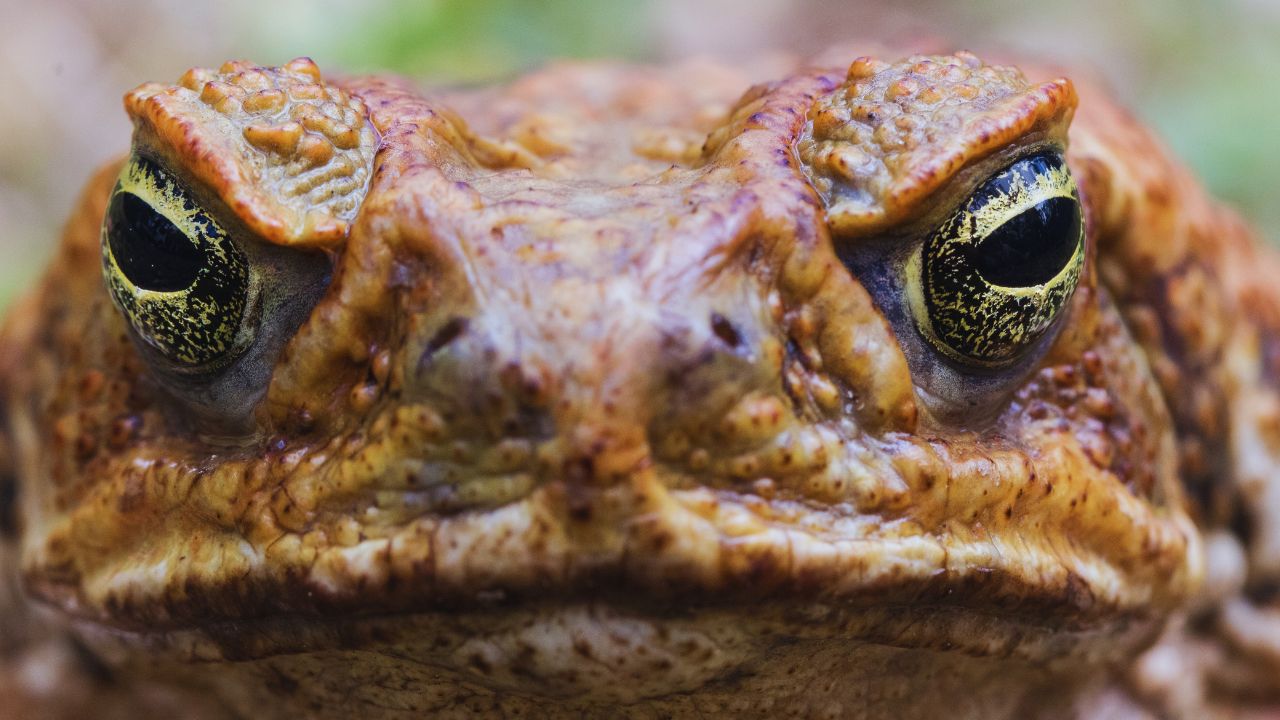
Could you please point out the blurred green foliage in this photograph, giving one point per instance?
(1216, 100)
(455, 40)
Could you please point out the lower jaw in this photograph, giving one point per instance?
(604, 659)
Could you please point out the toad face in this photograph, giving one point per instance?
(880, 388)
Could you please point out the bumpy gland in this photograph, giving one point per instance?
(893, 134)
(289, 154)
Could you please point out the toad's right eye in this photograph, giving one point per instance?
(990, 282)
(173, 272)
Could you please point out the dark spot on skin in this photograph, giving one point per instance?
(1078, 592)
(579, 470)
(86, 446)
(687, 648)
(280, 683)
(123, 430)
(89, 663)
(725, 330)
(1263, 592)
(580, 509)
(447, 334)
(479, 664)
(8, 507)
(1241, 523)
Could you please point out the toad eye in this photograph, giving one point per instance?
(993, 278)
(173, 272)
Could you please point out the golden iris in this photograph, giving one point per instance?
(172, 270)
(993, 277)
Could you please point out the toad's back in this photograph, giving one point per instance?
(880, 389)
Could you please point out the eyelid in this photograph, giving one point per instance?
(1056, 182)
(145, 179)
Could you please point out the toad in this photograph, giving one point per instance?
(869, 386)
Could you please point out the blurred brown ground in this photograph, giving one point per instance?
(1205, 74)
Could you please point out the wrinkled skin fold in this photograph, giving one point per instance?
(597, 394)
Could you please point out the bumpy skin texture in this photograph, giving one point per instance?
(593, 418)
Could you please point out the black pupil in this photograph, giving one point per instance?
(1032, 247)
(149, 249)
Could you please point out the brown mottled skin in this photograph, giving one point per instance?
(593, 420)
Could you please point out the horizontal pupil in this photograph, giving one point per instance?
(1032, 247)
(148, 248)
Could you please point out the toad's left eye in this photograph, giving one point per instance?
(994, 277)
(177, 277)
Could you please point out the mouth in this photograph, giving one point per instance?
(582, 651)
(924, 528)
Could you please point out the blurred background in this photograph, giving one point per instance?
(1204, 73)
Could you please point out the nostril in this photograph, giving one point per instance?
(725, 330)
(447, 334)
(452, 330)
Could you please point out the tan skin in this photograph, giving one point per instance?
(602, 394)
